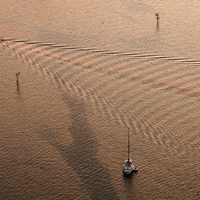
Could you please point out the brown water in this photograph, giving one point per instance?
(88, 70)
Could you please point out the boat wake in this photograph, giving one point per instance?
(156, 96)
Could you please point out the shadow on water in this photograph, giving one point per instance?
(128, 178)
(158, 28)
(129, 185)
(18, 91)
(81, 154)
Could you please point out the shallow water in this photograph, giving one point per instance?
(88, 71)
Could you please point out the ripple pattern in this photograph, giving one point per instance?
(154, 95)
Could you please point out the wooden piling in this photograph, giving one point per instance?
(157, 16)
(17, 74)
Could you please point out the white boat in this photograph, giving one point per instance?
(128, 166)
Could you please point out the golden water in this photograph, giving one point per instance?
(88, 71)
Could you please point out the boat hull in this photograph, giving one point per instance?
(128, 167)
(127, 171)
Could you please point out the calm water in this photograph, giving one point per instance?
(88, 71)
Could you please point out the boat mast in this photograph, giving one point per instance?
(128, 146)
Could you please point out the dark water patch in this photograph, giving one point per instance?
(81, 154)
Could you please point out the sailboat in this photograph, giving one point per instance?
(128, 166)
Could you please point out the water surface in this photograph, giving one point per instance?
(88, 71)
